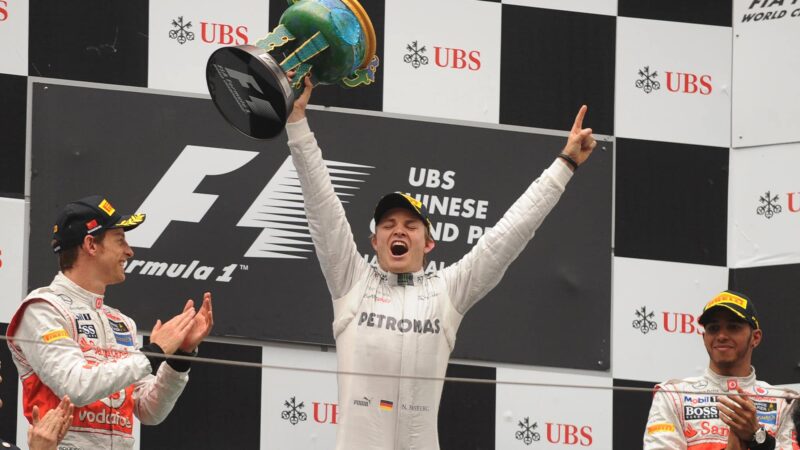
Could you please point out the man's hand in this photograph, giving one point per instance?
(739, 414)
(300, 103)
(580, 142)
(201, 324)
(734, 443)
(47, 432)
(170, 335)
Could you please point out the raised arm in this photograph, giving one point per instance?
(333, 238)
(481, 269)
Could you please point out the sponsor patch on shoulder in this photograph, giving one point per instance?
(124, 339)
(55, 335)
(118, 327)
(664, 427)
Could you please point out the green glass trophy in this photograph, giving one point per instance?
(333, 41)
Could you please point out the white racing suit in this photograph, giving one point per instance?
(684, 414)
(402, 324)
(65, 341)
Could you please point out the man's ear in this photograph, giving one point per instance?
(89, 245)
(429, 244)
(757, 335)
(374, 241)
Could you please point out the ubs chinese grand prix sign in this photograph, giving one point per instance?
(225, 214)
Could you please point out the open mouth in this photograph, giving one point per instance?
(399, 248)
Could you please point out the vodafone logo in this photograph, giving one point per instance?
(115, 400)
(105, 418)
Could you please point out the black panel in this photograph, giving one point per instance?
(9, 390)
(671, 202)
(467, 410)
(631, 409)
(774, 291)
(708, 12)
(363, 97)
(90, 40)
(14, 98)
(220, 407)
(552, 63)
(553, 282)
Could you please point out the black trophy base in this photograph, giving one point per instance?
(250, 90)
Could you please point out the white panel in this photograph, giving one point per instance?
(314, 426)
(606, 7)
(765, 67)
(764, 206)
(184, 33)
(14, 37)
(440, 64)
(655, 336)
(12, 246)
(549, 417)
(673, 82)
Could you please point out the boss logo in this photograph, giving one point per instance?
(700, 412)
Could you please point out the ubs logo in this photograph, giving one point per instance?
(444, 57)
(180, 31)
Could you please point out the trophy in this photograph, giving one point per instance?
(250, 87)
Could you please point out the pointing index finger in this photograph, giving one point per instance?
(578, 125)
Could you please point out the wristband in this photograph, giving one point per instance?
(154, 360)
(569, 161)
(181, 365)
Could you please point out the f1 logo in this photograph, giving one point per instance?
(174, 197)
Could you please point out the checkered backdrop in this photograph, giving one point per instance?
(695, 103)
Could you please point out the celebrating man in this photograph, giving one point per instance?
(65, 340)
(687, 414)
(394, 318)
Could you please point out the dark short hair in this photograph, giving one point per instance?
(68, 257)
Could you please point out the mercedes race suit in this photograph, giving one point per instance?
(66, 341)
(402, 324)
(684, 414)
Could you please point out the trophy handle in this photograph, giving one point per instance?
(363, 76)
(307, 50)
(301, 72)
(278, 37)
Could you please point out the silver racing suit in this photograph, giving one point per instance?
(684, 414)
(66, 341)
(402, 324)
